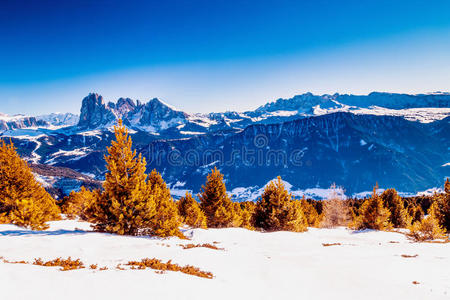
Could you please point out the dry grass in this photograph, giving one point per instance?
(65, 264)
(156, 264)
(333, 244)
(409, 256)
(415, 282)
(190, 246)
(93, 267)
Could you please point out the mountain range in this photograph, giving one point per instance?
(312, 141)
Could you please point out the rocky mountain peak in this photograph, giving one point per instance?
(94, 112)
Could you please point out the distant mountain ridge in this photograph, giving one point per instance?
(399, 140)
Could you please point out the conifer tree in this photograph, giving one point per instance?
(247, 209)
(127, 204)
(440, 208)
(335, 210)
(426, 230)
(190, 212)
(77, 204)
(166, 221)
(373, 214)
(23, 201)
(312, 216)
(215, 202)
(399, 217)
(276, 210)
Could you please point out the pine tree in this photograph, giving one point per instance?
(276, 210)
(335, 210)
(77, 204)
(312, 216)
(246, 215)
(23, 201)
(190, 212)
(166, 221)
(127, 205)
(215, 202)
(399, 217)
(426, 230)
(440, 208)
(373, 214)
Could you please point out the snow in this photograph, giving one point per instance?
(254, 265)
(254, 192)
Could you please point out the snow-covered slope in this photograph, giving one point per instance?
(253, 265)
(60, 119)
(8, 122)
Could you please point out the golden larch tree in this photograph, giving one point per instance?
(399, 217)
(373, 214)
(190, 212)
(440, 208)
(166, 221)
(23, 201)
(127, 204)
(276, 210)
(215, 203)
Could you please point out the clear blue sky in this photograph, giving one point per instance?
(217, 55)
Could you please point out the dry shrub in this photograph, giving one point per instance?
(426, 230)
(93, 267)
(190, 246)
(335, 210)
(156, 264)
(65, 264)
(409, 256)
(332, 244)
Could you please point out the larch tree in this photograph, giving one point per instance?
(335, 211)
(127, 204)
(276, 210)
(190, 212)
(399, 217)
(215, 203)
(78, 204)
(166, 221)
(373, 214)
(440, 209)
(23, 201)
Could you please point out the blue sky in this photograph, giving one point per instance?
(211, 55)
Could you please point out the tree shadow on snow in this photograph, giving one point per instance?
(41, 233)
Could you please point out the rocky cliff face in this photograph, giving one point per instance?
(95, 113)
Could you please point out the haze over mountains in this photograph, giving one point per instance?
(397, 140)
